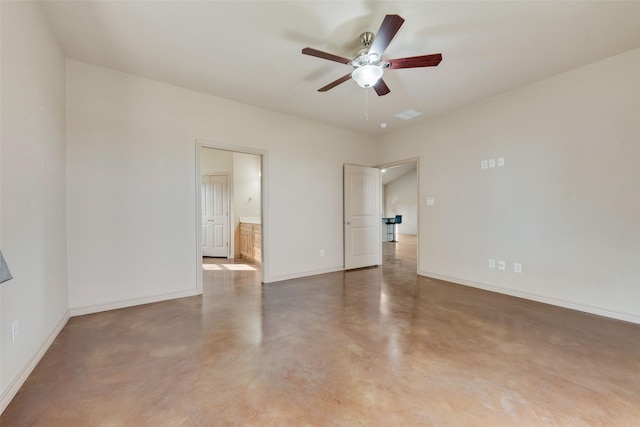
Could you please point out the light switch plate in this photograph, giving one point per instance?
(492, 163)
(484, 164)
(492, 263)
(500, 161)
(431, 201)
(517, 267)
(502, 265)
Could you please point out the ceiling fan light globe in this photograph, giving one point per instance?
(367, 75)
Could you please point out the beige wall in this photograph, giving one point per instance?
(246, 184)
(247, 191)
(131, 185)
(216, 161)
(33, 230)
(565, 205)
(401, 198)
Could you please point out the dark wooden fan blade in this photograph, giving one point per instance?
(335, 83)
(325, 55)
(390, 26)
(381, 88)
(416, 61)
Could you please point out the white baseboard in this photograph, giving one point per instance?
(24, 373)
(627, 317)
(303, 274)
(97, 308)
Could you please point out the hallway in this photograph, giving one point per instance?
(369, 347)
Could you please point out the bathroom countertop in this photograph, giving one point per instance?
(250, 219)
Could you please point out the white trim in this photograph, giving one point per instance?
(10, 392)
(399, 163)
(618, 315)
(264, 208)
(305, 274)
(97, 308)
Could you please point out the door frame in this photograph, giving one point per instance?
(410, 160)
(264, 204)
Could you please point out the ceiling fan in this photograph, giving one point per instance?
(367, 61)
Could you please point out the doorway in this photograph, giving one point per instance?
(230, 188)
(400, 205)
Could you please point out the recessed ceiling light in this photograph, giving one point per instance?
(408, 114)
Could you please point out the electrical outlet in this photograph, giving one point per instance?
(321, 252)
(14, 330)
(492, 163)
(492, 263)
(484, 164)
(502, 265)
(517, 267)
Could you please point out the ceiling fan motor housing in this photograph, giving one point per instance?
(361, 56)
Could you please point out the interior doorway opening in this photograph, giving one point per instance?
(230, 200)
(400, 210)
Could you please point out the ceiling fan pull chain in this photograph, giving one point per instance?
(366, 105)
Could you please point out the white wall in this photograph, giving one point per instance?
(565, 205)
(246, 184)
(246, 191)
(401, 198)
(214, 161)
(33, 227)
(131, 193)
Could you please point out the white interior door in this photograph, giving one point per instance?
(215, 216)
(362, 219)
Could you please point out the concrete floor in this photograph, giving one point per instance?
(371, 347)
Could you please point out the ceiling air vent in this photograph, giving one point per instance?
(408, 114)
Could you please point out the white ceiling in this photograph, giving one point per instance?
(249, 51)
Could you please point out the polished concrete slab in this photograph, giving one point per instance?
(370, 347)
